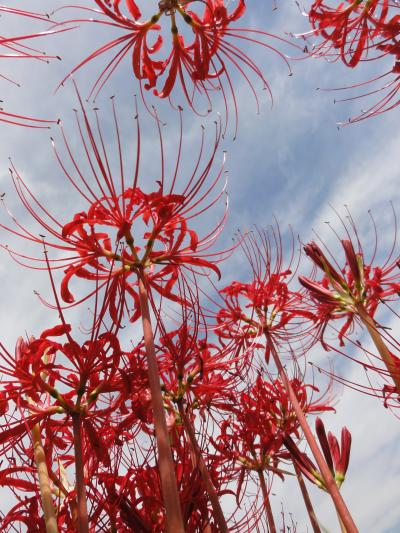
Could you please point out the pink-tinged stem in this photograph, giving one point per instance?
(44, 482)
(342, 528)
(267, 503)
(329, 482)
(307, 500)
(83, 520)
(205, 474)
(165, 461)
(379, 344)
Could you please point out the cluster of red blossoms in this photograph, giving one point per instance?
(197, 55)
(199, 47)
(361, 31)
(178, 395)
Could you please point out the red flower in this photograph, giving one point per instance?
(202, 47)
(337, 457)
(46, 385)
(353, 28)
(261, 421)
(341, 290)
(137, 500)
(262, 418)
(126, 232)
(198, 372)
(355, 31)
(267, 306)
(38, 379)
(385, 86)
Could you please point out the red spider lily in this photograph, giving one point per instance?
(205, 380)
(125, 232)
(353, 293)
(135, 495)
(353, 28)
(337, 457)
(203, 46)
(88, 383)
(52, 384)
(262, 418)
(357, 31)
(289, 330)
(138, 498)
(266, 306)
(36, 376)
(385, 86)
(253, 438)
(341, 291)
(196, 371)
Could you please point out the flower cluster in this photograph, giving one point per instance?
(126, 234)
(145, 428)
(269, 306)
(342, 291)
(203, 47)
(357, 31)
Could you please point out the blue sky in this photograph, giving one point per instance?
(289, 161)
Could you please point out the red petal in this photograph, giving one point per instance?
(57, 331)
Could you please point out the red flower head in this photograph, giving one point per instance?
(343, 292)
(127, 233)
(203, 44)
(47, 386)
(353, 28)
(337, 457)
(137, 498)
(355, 31)
(267, 306)
(197, 372)
(262, 419)
(48, 377)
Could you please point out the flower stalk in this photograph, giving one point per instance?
(44, 482)
(267, 503)
(307, 499)
(380, 345)
(330, 483)
(165, 460)
(82, 512)
(205, 474)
